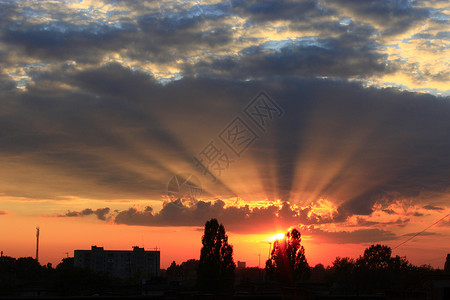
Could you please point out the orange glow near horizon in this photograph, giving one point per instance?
(60, 236)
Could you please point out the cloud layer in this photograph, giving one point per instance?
(384, 43)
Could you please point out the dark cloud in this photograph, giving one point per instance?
(432, 207)
(100, 213)
(120, 134)
(390, 17)
(154, 37)
(329, 57)
(6, 82)
(420, 233)
(69, 131)
(9, 11)
(337, 51)
(270, 10)
(414, 157)
(237, 219)
(3, 212)
(240, 220)
(187, 25)
(366, 223)
(351, 237)
(198, 39)
(84, 46)
(394, 17)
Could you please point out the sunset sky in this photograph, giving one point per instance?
(330, 116)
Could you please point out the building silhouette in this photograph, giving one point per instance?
(241, 264)
(119, 263)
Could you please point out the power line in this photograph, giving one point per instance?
(410, 238)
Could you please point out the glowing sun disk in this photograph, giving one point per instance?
(278, 236)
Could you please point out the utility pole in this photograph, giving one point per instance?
(260, 272)
(270, 247)
(37, 243)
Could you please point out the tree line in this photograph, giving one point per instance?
(25, 276)
(374, 271)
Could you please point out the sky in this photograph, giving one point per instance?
(128, 123)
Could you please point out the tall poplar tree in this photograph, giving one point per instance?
(216, 267)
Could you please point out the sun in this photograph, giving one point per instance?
(278, 236)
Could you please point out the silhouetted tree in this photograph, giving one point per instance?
(189, 271)
(377, 269)
(342, 274)
(288, 261)
(216, 267)
(343, 265)
(28, 268)
(318, 274)
(379, 257)
(173, 271)
(24, 272)
(74, 281)
(185, 273)
(376, 257)
(8, 276)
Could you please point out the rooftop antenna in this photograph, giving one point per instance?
(37, 243)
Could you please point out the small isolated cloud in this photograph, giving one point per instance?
(432, 207)
(418, 233)
(100, 213)
(3, 212)
(361, 221)
(352, 237)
